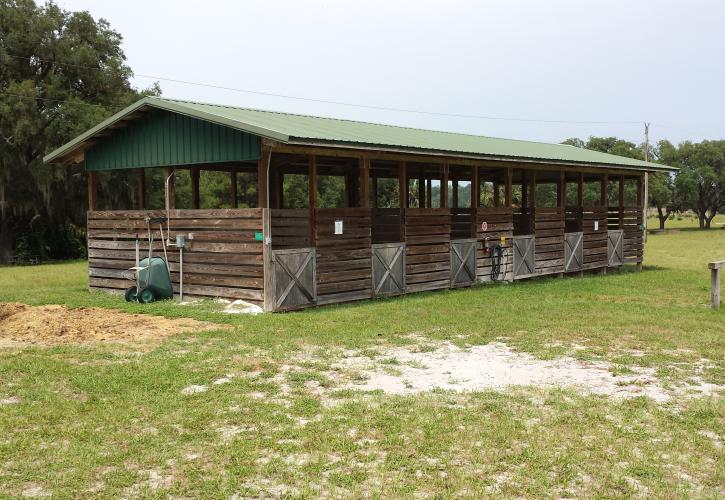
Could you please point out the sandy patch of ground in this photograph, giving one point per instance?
(54, 324)
(494, 366)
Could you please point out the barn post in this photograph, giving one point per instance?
(364, 182)
(141, 188)
(580, 201)
(421, 189)
(170, 188)
(605, 203)
(640, 193)
(444, 185)
(263, 177)
(532, 201)
(375, 190)
(268, 263)
(233, 179)
(92, 190)
(195, 188)
(509, 187)
(403, 195)
(312, 178)
(474, 201)
(621, 202)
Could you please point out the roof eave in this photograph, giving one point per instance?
(649, 167)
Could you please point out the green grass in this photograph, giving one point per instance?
(97, 420)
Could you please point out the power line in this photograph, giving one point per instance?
(349, 104)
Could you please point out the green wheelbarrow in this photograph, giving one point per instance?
(152, 281)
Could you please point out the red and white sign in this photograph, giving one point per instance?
(484, 226)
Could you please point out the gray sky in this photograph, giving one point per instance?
(580, 60)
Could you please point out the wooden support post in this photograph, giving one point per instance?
(454, 185)
(278, 190)
(532, 216)
(403, 195)
(194, 174)
(621, 202)
(365, 182)
(142, 188)
(561, 191)
(605, 196)
(312, 179)
(421, 190)
(715, 282)
(233, 179)
(496, 195)
(268, 265)
(263, 178)
(92, 190)
(524, 191)
(375, 192)
(403, 184)
(580, 201)
(444, 185)
(509, 186)
(429, 192)
(474, 201)
(171, 185)
(475, 188)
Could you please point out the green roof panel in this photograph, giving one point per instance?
(294, 128)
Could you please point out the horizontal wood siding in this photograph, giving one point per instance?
(499, 224)
(344, 261)
(549, 231)
(290, 228)
(595, 242)
(224, 259)
(427, 251)
(633, 234)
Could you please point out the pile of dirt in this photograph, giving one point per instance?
(54, 324)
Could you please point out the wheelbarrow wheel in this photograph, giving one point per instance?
(130, 294)
(146, 295)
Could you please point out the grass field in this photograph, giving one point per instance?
(113, 420)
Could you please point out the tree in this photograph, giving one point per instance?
(610, 145)
(662, 195)
(700, 183)
(60, 73)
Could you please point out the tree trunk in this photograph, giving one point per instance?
(662, 217)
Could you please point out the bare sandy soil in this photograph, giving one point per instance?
(496, 366)
(53, 324)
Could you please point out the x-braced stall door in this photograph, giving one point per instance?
(463, 262)
(294, 278)
(573, 251)
(388, 269)
(524, 257)
(615, 247)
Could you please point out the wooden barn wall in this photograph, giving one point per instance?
(499, 223)
(549, 232)
(632, 221)
(427, 251)
(595, 241)
(224, 259)
(290, 228)
(344, 261)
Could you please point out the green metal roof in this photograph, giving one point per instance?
(303, 129)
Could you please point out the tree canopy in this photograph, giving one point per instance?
(60, 73)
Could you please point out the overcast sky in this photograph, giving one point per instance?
(576, 60)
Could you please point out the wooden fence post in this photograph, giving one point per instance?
(715, 282)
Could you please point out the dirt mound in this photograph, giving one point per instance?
(54, 324)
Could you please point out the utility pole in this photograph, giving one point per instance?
(646, 180)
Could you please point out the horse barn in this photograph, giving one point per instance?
(416, 209)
